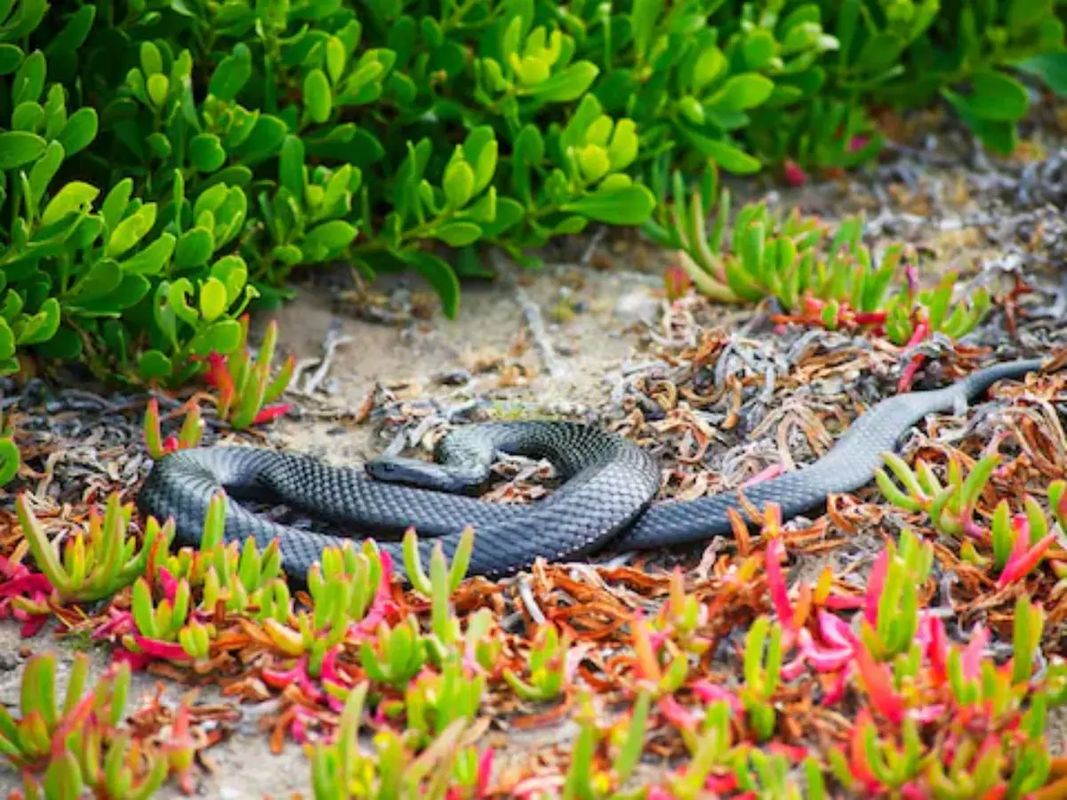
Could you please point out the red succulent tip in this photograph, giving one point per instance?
(271, 413)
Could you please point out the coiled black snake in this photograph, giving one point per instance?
(606, 497)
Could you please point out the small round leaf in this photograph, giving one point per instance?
(206, 152)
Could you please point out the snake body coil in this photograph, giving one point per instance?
(609, 485)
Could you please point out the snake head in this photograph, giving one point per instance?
(424, 474)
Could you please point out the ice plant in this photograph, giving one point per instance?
(98, 562)
(676, 282)
(1030, 540)
(435, 700)
(715, 761)
(24, 594)
(191, 432)
(682, 617)
(46, 729)
(585, 778)
(1018, 542)
(448, 767)
(350, 594)
(453, 575)
(648, 670)
(244, 385)
(158, 628)
(951, 508)
(395, 655)
(547, 664)
(891, 618)
(927, 312)
(762, 670)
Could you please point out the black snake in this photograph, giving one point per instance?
(606, 497)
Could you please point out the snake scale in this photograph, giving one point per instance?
(609, 484)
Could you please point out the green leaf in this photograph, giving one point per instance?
(880, 52)
(457, 234)
(631, 205)
(212, 299)
(131, 230)
(480, 150)
(440, 276)
(206, 152)
(7, 341)
(74, 32)
(65, 345)
(567, 85)
(102, 278)
(10, 58)
(458, 183)
(327, 240)
(231, 74)
(741, 92)
(28, 116)
(221, 337)
(116, 203)
(318, 100)
(1024, 13)
(233, 273)
(759, 48)
(18, 148)
(1049, 67)
(150, 261)
(42, 326)
(44, 169)
(72, 198)
(153, 365)
(151, 60)
(336, 56)
(730, 158)
(29, 80)
(263, 142)
(9, 460)
(79, 131)
(643, 18)
(194, 248)
(995, 96)
(291, 166)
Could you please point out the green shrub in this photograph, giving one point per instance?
(165, 165)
